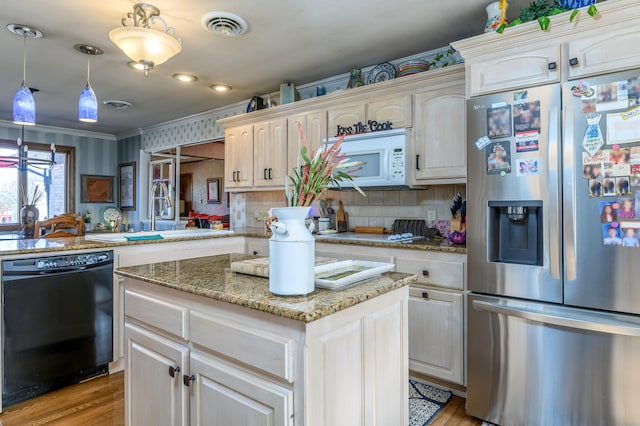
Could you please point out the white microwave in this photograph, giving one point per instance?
(384, 156)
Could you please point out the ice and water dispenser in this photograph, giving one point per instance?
(515, 232)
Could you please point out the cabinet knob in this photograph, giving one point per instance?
(552, 66)
(573, 62)
(425, 272)
(188, 379)
(417, 161)
(425, 295)
(173, 370)
(255, 252)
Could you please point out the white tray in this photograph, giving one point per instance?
(341, 274)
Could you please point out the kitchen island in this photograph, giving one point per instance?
(209, 346)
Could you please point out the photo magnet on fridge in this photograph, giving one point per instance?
(608, 211)
(626, 209)
(526, 117)
(498, 158)
(499, 122)
(611, 234)
(595, 188)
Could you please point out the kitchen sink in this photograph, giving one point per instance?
(120, 237)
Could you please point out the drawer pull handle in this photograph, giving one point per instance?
(573, 62)
(264, 174)
(270, 173)
(552, 66)
(425, 272)
(425, 295)
(417, 161)
(187, 379)
(173, 370)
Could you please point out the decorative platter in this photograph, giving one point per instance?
(338, 275)
(382, 72)
(109, 213)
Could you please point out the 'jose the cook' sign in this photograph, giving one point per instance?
(360, 127)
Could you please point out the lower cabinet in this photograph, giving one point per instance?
(436, 333)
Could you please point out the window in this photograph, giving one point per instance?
(17, 187)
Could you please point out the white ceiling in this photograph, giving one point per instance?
(289, 41)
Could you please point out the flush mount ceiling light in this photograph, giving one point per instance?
(24, 105)
(143, 44)
(88, 103)
(184, 77)
(224, 24)
(221, 88)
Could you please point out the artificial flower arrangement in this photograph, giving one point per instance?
(38, 192)
(317, 170)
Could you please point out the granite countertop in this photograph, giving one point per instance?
(211, 277)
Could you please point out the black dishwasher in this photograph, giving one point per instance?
(57, 322)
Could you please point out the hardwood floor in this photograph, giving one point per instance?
(100, 402)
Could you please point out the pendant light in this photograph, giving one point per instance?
(88, 103)
(24, 105)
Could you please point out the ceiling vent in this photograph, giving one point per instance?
(224, 24)
(115, 104)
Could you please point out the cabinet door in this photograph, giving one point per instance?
(261, 153)
(346, 116)
(314, 127)
(396, 109)
(257, 246)
(277, 171)
(436, 333)
(154, 394)
(238, 157)
(512, 70)
(439, 136)
(613, 50)
(224, 395)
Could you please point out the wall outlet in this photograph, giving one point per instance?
(431, 216)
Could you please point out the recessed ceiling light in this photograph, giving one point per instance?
(187, 78)
(137, 65)
(221, 88)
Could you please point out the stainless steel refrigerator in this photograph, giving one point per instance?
(553, 319)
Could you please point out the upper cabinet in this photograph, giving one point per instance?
(395, 109)
(238, 156)
(314, 128)
(270, 153)
(525, 56)
(346, 116)
(528, 68)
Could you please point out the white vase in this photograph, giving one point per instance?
(493, 17)
(291, 253)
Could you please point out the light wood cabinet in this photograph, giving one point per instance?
(348, 368)
(270, 153)
(439, 136)
(397, 109)
(436, 336)
(314, 126)
(612, 50)
(238, 157)
(153, 379)
(514, 69)
(346, 116)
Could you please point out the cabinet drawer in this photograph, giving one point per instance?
(166, 316)
(258, 348)
(434, 272)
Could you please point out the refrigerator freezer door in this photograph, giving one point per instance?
(597, 275)
(540, 364)
(530, 183)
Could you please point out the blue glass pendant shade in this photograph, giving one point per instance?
(88, 105)
(24, 106)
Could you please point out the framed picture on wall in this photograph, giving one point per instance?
(127, 179)
(96, 189)
(213, 190)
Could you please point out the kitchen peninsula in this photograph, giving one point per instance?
(210, 344)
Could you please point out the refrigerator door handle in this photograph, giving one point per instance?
(570, 232)
(583, 322)
(555, 236)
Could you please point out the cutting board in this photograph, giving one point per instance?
(259, 266)
(369, 229)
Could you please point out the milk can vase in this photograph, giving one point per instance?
(291, 253)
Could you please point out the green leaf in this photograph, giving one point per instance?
(501, 28)
(544, 22)
(593, 10)
(555, 11)
(574, 14)
(515, 22)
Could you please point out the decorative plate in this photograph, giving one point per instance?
(107, 214)
(382, 72)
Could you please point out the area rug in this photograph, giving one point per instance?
(425, 402)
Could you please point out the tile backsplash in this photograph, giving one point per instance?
(378, 208)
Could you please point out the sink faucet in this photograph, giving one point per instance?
(164, 191)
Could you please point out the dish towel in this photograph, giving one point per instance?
(144, 237)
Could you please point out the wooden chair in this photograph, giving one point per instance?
(55, 226)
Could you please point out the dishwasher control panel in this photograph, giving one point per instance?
(53, 263)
